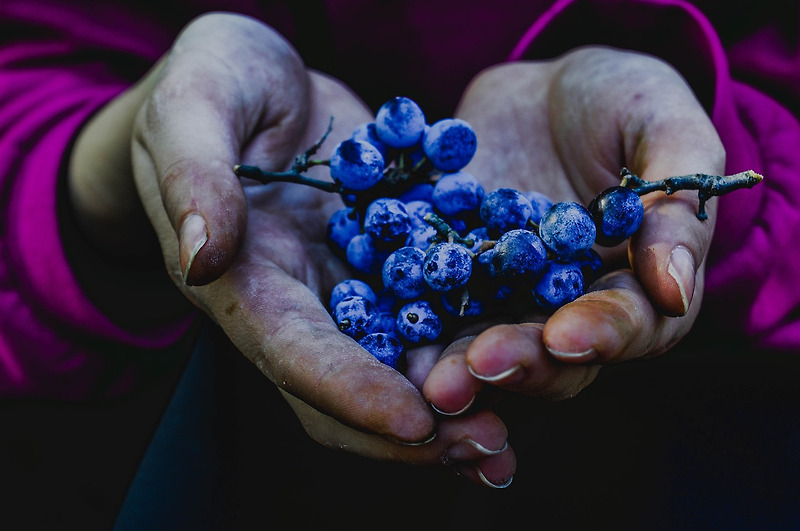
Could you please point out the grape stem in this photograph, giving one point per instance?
(707, 186)
(295, 175)
(445, 231)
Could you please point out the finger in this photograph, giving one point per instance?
(474, 444)
(670, 246)
(513, 358)
(614, 322)
(198, 120)
(449, 387)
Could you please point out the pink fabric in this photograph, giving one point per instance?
(60, 61)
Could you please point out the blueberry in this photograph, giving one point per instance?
(447, 266)
(567, 228)
(385, 347)
(450, 144)
(356, 164)
(416, 322)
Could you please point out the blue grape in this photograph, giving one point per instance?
(421, 237)
(385, 347)
(450, 144)
(417, 209)
(505, 209)
(342, 226)
(368, 133)
(456, 194)
(387, 220)
(416, 322)
(478, 236)
(617, 213)
(540, 204)
(418, 192)
(402, 273)
(590, 264)
(356, 164)
(355, 316)
(400, 123)
(567, 228)
(351, 287)
(364, 255)
(447, 266)
(559, 284)
(518, 253)
(386, 323)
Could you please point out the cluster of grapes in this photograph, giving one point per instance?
(432, 249)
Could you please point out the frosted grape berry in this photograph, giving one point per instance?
(450, 144)
(387, 220)
(355, 316)
(457, 193)
(567, 228)
(385, 347)
(400, 123)
(351, 288)
(505, 209)
(617, 213)
(447, 266)
(417, 322)
(519, 253)
(402, 273)
(559, 284)
(356, 164)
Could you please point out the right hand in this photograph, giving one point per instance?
(254, 258)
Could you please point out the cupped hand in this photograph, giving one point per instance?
(254, 257)
(565, 128)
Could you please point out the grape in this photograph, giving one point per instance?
(400, 123)
(386, 323)
(455, 304)
(368, 133)
(519, 253)
(364, 255)
(540, 203)
(416, 321)
(447, 266)
(559, 284)
(417, 209)
(478, 236)
(342, 226)
(418, 192)
(356, 164)
(385, 347)
(505, 209)
(402, 273)
(567, 228)
(449, 144)
(387, 220)
(617, 213)
(457, 193)
(350, 288)
(590, 264)
(355, 316)
(421, 237)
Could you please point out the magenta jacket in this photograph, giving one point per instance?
(60, 61)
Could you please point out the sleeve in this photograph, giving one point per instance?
(752, 296)
(57, 67)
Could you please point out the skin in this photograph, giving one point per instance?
(152, 172)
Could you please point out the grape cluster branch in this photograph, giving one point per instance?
(707, 186)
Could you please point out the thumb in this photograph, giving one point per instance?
(199, 121)
(668, 251)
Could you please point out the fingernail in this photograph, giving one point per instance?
(465, 450)
(586, 355)
(493, 378)
(454, 413)
(428, 439)
(461, 470)
(192, 238)
(681, 269)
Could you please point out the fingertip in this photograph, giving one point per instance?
(668, 275)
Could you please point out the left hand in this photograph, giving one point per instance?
(565, 128)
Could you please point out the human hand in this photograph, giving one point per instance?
(254, 258)
(565, 128)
